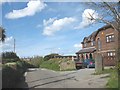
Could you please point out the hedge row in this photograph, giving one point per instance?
(12, 73)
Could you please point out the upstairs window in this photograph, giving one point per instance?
(99, 44)
(85, 44)
(92, 43)
(110, 38)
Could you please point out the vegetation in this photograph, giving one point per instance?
(2, 34)
(9, 77)
(113, 81)
(105, 71)
(36, 61)
(52, 64)
(9, 57)
(56, 64)
(13, 69)
(12, 73)
(50, 56)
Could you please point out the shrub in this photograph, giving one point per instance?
(36, 61)
(9, 57)
(10, 77)
(12, 73)
(50, 56)
(52, 64)
(56, 64)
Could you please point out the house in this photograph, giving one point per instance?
(103, 41)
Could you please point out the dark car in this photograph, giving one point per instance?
(78, 64)
(89, 63)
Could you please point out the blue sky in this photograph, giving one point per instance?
(46, 27)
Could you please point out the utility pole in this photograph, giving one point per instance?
(14, 45)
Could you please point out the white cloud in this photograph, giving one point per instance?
(32, 8)
(86, 18)
(8, 39)
(53, 25)
(78, 45)
(7, 44)
(48, 22)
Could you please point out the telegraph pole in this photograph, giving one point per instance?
(14, 45)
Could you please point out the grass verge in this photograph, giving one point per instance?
(113, 80)
(50, 64)
(58, 65)
(105, 71)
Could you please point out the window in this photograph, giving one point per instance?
(99, 44)
(92, 43)
(110, 38)
(114, 53)
(85, 44)
(111, 53)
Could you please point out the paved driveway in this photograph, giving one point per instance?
(43, 78)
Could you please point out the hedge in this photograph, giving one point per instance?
(12, 73)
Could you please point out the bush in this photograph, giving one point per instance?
(9, 57)
(21, 66)
(50, 56)
(36, 61)
(52, 64)
(12, 73)
(56, 64)
(10, 77)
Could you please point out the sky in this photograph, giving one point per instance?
(41, 28)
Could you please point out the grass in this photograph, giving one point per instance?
(113, 81)
(105, 71)
(51, 64)
(68, 70)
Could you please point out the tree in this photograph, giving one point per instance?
(47, 57)
(2, 34)
(111, 14)
(9, 57)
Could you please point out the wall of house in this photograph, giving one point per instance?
(102, 35)
(107, 48)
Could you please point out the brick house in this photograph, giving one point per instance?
(103, 41)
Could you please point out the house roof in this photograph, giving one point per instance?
(86, 50)
(94, 34)
(90, 37)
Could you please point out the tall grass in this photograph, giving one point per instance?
(52, 64)
(113, 80)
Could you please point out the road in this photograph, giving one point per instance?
(43, 78)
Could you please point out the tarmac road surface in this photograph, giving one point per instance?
(83, 78)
